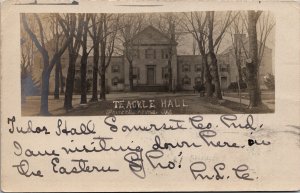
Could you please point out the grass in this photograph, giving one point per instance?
(196, 105)
(265, 95)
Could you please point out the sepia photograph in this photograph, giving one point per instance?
(155, 96)
(205, 62)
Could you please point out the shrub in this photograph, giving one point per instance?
(178, 87)
(199, 87)
(77, 85)
(269, 81)
(234, 86)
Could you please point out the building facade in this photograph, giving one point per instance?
(151, 53)
(227, 59)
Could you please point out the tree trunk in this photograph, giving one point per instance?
(239, 68)
(208, 78)
(83, 99)
(62, 81)
(45, 92)
(170, 75)
(214, 61)
(23, 96)
(202, 70)
(70, 81)
(57, 74)
(102, 85)
(215, 73)
(252, 64)
(95, 73)
(130, 76)
(83, 67)
(102, 71)
(172, 40)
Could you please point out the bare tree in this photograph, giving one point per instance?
(26, 60)
(169, 25)
(94, 31)
(171, 33)
(237, 33)
(259, 26)
(196, 24)
(194, 48)
(48, 63)
(252, 63)
(265, 25)
(84, 58)
(56, 41)
(214, 43)
(131, 25)
(72, 26)
(108, 32)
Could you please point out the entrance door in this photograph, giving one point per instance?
(223, 82)
(150, 76)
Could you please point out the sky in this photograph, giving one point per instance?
(185, 43)
(185, 46)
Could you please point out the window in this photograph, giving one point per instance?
(164, 54)
(198, 68)
(186, 80)
(136, 53)
(115, 81)
(223, 79)
(115, 68)
(186, 68)
(136, 73)
(90, 71)
(165, 72)
(150, 53)
(198, 80)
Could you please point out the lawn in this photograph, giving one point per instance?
(265, 95)
(139, 103)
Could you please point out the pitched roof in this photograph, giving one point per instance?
(246, 46)
(151, 35)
